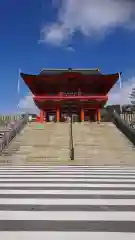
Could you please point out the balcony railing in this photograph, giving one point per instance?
(70, 94)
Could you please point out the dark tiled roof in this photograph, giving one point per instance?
(60, 71)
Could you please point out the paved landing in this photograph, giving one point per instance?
(67, 202)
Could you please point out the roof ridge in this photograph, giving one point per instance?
(69, 69)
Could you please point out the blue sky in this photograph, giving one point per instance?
(64, 33)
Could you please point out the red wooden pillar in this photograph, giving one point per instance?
(41, 116)
(82, 115)
(98, 115)
(57, 114)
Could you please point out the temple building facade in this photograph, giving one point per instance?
(61, 93)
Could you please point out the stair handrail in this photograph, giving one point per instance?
(71, 144)
(12, 131)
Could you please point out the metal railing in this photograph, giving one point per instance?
(5, 119)
(128, 117)
(123, 126)
(11, 132)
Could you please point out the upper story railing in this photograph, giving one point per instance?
(71, 94)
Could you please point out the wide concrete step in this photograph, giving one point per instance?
(41, 143)
(101, 144)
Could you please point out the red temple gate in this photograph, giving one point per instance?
(71, 91)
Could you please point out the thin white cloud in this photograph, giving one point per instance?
(70, 48)
(121, 96)
(27, 104)
(89, 17)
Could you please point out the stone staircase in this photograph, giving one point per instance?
(48, 144)
(39, 144)
(101, 144)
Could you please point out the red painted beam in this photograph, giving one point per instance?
(47, 97)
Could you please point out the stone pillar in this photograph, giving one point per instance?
(98, 115)
(58, 114)
(41, 116)
(82, 115)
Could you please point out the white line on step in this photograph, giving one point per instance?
(67, 185)
(67, 192)
(68, 215)
(66, 235)
(59, 201)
